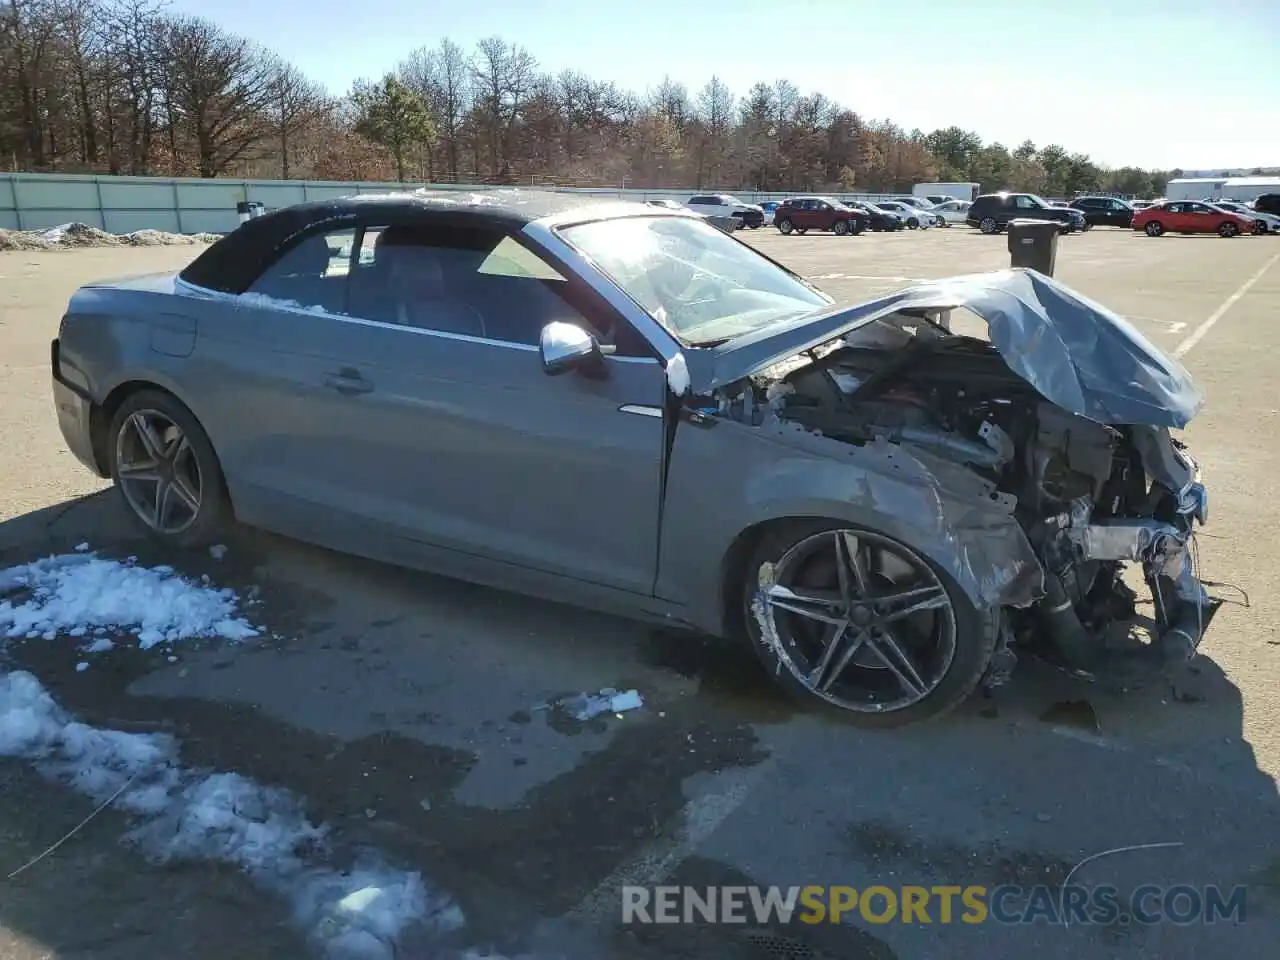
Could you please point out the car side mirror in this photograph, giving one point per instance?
(566, 346)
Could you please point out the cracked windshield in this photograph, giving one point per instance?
(561, 481)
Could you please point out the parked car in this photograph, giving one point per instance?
(878, 219)
(953, 211)
(1268, 203)
(802, 214)
(927, 207)
(913, 217)
(1190, 216)
(1263, 222)
(1104, 211)
(723, 222)
(879, 550)
(727, 205)
(992, 212)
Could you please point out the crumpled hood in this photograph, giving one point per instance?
(1079, 355)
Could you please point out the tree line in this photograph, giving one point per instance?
(128, 87)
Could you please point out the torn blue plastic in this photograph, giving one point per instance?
(1078, 354)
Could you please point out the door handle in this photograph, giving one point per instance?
(348, 381)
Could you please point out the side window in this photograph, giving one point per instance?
(474, 281)
(311, 273)
(1024, 203)
(1172, 208)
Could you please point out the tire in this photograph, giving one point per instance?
(785, 226)
(989, 226)
(913, 224)
(973, 632)
(194, 468)
(1228, 230)
(1154, 228)
(802, 230)
(840, 228)
(754, 226)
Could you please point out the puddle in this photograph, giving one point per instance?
(1079, 714)
(728, 673)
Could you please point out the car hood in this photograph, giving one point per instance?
(1079, 355)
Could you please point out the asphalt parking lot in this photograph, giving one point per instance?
(409, 711)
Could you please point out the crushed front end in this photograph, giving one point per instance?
(1108, 509)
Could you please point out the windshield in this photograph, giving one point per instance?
(697, 281)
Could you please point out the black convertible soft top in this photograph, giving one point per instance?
(232, 264)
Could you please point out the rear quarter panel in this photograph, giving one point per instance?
(135, 330)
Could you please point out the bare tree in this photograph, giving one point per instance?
(442, 76)
(293, 103)
(504, 75)
(223, 88)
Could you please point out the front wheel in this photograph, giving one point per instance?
(856, 622)
(166, 471)
(753, 225)
(988, 225)
(1154, 229)
(785, 226)
(913, 223)
(1228, 230)
(840, 227)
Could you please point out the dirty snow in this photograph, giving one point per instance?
(80, 593)
(584, 706)
(70, 235)
(182, 814)
(678, 375)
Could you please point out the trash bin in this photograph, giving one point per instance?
(248, 209)
(1034, 244)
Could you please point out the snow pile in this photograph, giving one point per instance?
(70, 235)
(183, 814)
(80, 594)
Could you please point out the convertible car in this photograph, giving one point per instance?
(622, 407)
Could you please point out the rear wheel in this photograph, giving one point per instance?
(857, 622)
(840, 227)
(1228, 230)
(913, 223)
(1154, 228)
(785, 226)
(802, 230)
(988, 225)
(166, 471)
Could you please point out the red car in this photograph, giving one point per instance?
(1187, 216)
(801, 214)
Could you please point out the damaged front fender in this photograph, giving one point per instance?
(733, 476)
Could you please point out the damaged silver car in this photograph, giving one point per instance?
(624, 408)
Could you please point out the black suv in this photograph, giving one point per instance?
(1268, 203)
(1104, 211)
(992, 212)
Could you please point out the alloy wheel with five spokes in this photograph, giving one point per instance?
(858, 620)
(158, 472)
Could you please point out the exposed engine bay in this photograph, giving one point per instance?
(1093, 499)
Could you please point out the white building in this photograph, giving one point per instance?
(1194, 188)
(1221, 188)
(1243, 189)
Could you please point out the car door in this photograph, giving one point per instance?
(433, 437)
(824, 215)
(479, 451)
(1200, 218)
(1023, 206)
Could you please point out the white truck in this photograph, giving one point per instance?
(941, 192)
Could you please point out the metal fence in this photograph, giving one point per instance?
(35, 201)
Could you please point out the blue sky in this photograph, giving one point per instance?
(1153, 83)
